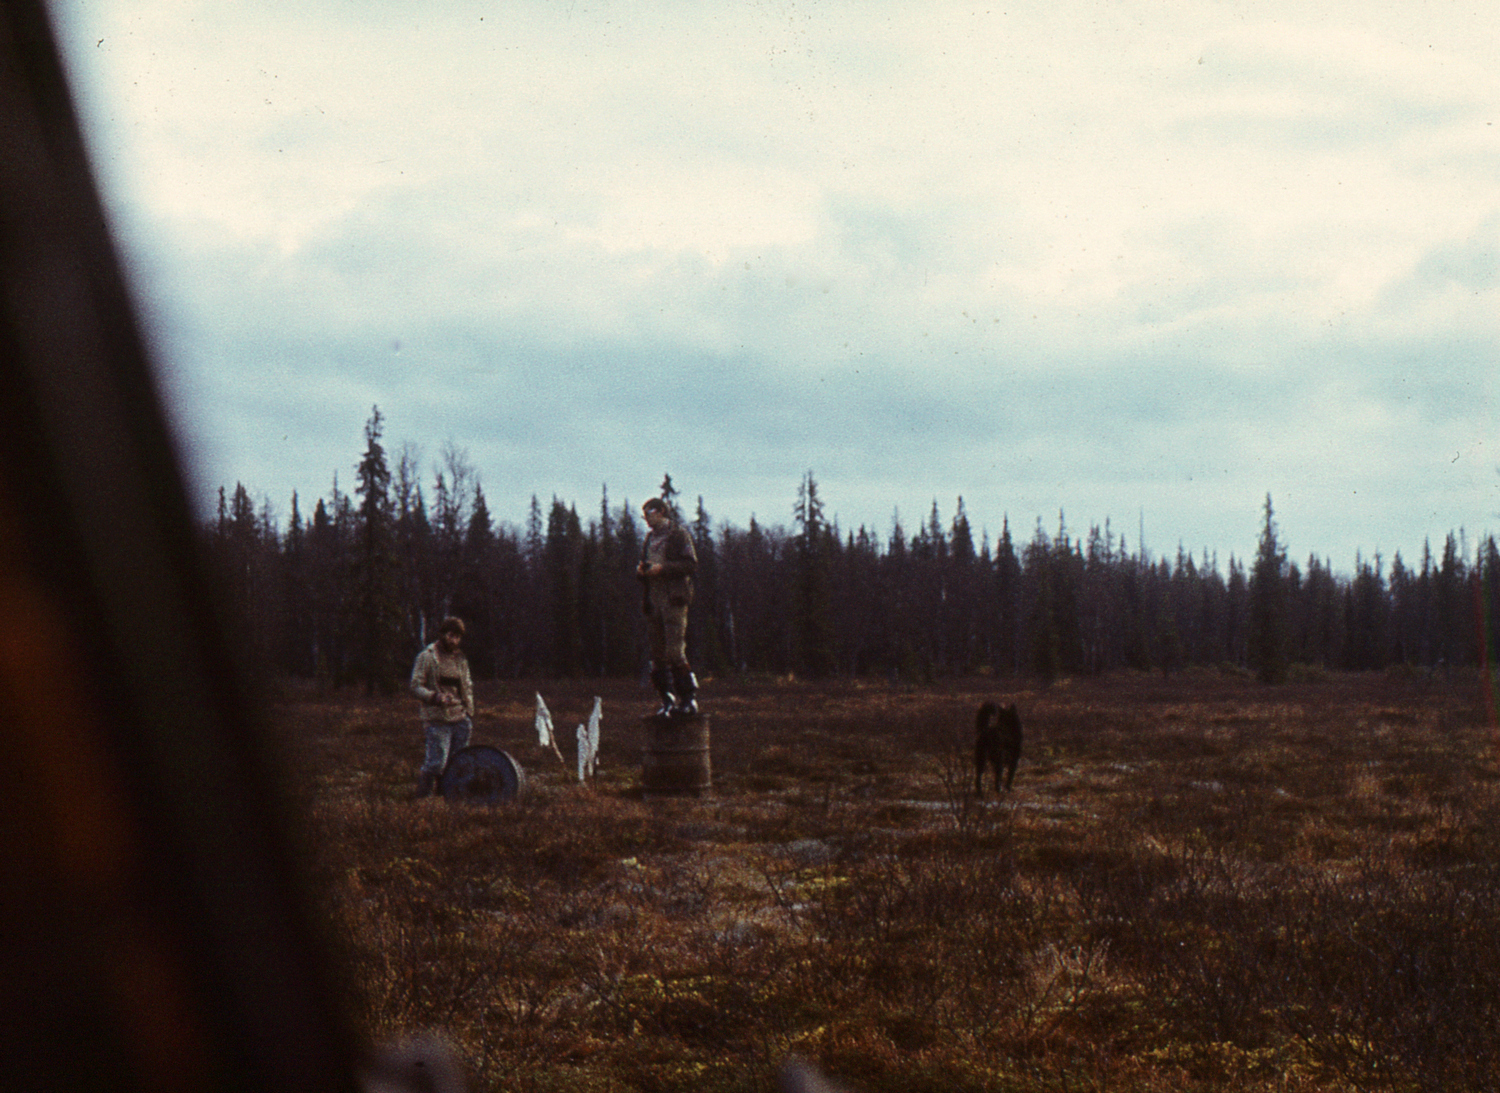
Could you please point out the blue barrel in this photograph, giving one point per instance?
(482, 775)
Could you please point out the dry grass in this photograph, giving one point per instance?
(1198, 884)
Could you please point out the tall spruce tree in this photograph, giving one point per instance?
(706, 629)
(295, 651)
(475, 597)
(1268, 636)
(629, 645)
(812, 608)
(377, 607)
(562, 559)
(323, 551)
(669, 494)
(960, 595)
(413, 551)
(1045, 651)
(1008, 620)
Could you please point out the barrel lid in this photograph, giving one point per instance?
(480, 774)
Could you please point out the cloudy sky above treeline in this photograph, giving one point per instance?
(1144, 262)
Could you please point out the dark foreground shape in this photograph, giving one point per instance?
(797, 1076)
(159, 920)
(482, 775)
(997, 743)
(421, 1062)
(676, 760)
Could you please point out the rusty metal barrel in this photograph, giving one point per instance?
(676, 761)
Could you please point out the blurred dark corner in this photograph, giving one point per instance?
(155, 931)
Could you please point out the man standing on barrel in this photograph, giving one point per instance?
(668, 562)
(440, 682)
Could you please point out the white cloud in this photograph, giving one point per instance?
(1098, 256)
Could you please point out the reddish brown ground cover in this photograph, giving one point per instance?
(1198, 883)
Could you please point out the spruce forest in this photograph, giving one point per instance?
(350, 592)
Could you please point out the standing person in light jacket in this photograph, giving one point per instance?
(440, 681)
(668, 563)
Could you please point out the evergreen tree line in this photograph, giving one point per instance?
(351, 592)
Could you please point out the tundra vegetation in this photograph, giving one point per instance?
(1200, 882)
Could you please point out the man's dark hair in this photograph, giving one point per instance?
(452, 625)
(656, 504)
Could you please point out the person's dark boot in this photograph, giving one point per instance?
(686, 686)
(427, 784)
(661, 680)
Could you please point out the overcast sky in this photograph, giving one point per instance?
(1144, 262)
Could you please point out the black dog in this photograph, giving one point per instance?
(997, 741)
